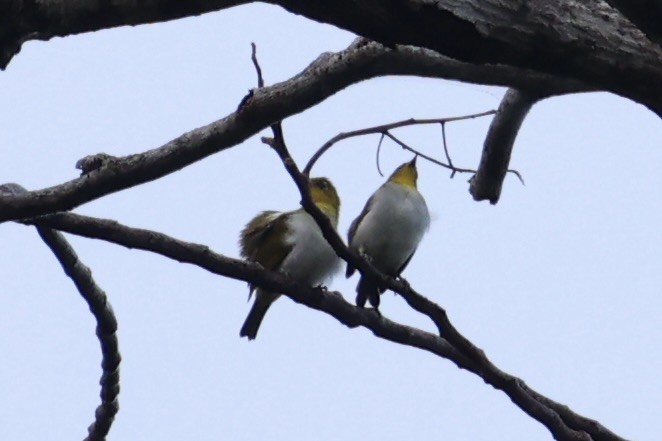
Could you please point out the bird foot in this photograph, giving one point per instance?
(365, 256)
(403, 281)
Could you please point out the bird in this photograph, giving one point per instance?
(291, 243)
(388, 230)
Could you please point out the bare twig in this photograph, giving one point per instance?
(428, 158)
(102, 311)
(379, 149)
(448, 157)
(258, 70)
(382, 129)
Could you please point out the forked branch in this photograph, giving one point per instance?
(562, 422)
(384, 129)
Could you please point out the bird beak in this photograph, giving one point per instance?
(413, 162)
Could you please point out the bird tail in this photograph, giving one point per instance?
(368, 289)
(263, 301)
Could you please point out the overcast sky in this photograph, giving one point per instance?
(559, 283)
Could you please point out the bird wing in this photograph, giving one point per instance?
(354, 226)
(404, 264)
(263, 240)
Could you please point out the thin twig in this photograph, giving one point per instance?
(381, 129)
(448, 157)
(429, 158)
(379, 149)
(260, 80)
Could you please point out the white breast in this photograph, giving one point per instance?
(392, 229)
(312, 260)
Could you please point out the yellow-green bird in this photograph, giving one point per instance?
(292, 243)
(389, 229)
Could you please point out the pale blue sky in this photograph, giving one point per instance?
(559, 283)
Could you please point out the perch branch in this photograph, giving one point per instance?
(553, 415)
(512, 386)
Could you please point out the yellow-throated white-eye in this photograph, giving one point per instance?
(389, 229)
(292, 243)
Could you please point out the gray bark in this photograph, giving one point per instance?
(588, 40)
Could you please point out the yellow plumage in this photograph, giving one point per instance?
(389, 229)
(292, 243)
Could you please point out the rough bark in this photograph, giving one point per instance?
(584, 40)
(562, 422)
(321, 79)
(106, 330)
(645, 14)
(23, 20)
(487, 182)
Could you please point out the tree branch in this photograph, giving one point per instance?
(569, 39)
(645, 14)
(327, 75)
(498, 146)
(21, 21)
(102, 311)
(566, 38)
(382, 129)
(512, 386)
(553, 415)
(202, 257)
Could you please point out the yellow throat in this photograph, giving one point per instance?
(325, 197)
(406, 174)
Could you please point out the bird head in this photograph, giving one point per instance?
(406, 174)
(325, 197)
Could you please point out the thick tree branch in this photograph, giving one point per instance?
(645, 14)
(327, 75)
(588, 41)
(585, 40)
(21, 21)
(486, 183)
(102, 311)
